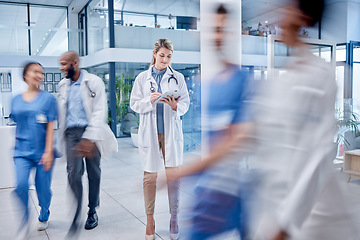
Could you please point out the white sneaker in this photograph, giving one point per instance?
(42, 225)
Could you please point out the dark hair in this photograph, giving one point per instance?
(28, 65)
(221, 9)
(313, 9)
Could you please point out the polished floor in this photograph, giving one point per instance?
(121, 212)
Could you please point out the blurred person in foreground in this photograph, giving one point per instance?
(83, 132)
(296, 129)
(223, 189)
(34, 112)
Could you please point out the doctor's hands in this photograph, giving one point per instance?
(154, 96)
(85, 148)
(47, 160)
(171, 102)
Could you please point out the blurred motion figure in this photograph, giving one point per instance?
(34, 112)
(296, 128)
(83, 132)
(223, 189)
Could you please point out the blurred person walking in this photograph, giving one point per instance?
(34, 112)
(224, 189)
(303, 199)
(83, 132)
(160, 130)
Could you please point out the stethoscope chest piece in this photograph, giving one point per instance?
(152, 89)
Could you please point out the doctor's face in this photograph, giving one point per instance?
(66, 62)
(162, 58)
(219, 34)
(34, 75)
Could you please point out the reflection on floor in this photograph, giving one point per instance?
(121, 212)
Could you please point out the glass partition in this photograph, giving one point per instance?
(126, 118)
(13, 30)
(97, 26)
(49, 36)
(47, 30)
(139, 20)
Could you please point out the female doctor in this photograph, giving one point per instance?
(160, 131)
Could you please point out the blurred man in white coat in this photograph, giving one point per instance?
(302, 195)
(83, 132)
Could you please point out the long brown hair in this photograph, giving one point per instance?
(163, 42)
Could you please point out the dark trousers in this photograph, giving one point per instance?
(75, 169)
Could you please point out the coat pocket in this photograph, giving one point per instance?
(178, 129)
(144, 137)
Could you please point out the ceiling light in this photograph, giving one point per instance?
(266, 21)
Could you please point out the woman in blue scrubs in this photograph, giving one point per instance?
(34, 112)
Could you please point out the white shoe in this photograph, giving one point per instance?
(43, 225)
(174, 236)
(150, 237)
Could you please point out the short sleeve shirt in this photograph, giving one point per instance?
(31, 123)
(228, 104)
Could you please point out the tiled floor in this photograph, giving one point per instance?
(121, 212)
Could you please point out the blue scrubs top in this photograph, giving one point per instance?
(31, 119)
(228, 104)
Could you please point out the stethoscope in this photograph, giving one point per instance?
(92, 94)
(152, 89)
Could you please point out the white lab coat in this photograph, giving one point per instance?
(96, 110)
(148, 137)
(301, 191)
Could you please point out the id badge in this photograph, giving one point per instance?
(41, 118)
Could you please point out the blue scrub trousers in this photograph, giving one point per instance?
(43, 178)
(216, 212)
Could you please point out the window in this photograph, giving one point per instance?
(13, 30)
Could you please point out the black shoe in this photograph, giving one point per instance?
(92, 221)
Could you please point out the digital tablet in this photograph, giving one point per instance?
(168, 93)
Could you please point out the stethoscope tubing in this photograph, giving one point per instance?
(152, 89)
